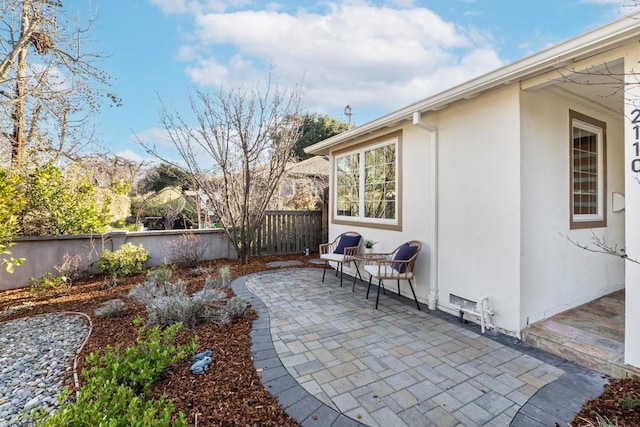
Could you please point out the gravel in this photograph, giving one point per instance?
(35, 355)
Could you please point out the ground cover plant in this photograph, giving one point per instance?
(230, 393)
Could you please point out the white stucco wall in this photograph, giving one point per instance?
(632, 211)
(479, 204)
(416, 207)
(557, 275)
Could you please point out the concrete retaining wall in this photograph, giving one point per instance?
(42, 253)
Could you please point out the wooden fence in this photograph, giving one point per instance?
(289, 232)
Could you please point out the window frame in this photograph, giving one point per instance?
(360, 150)
(598, 127)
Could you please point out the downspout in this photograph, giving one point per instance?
(432, 299)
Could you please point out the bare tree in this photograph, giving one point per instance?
(600, 245)
(48, 82)
(237, 153)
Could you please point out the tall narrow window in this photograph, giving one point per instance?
(367, 184)
(348, 185)
(588, 183)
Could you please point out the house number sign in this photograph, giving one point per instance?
(635, 163)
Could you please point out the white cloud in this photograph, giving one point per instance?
(130, 155)
(152, 137)
(354, 53)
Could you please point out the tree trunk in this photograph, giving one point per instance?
(18, 112)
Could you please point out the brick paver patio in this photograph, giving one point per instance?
(395, 366)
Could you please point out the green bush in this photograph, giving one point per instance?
(630, 403)
(12, 201)
(60, 202)
(127, 260)
(116, 388)
(49, 285)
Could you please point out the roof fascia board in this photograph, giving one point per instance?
(592, 43)
(561, 72)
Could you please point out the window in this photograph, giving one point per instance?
(588, 184)
(367, 183)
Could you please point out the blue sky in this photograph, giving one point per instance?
(376, 56)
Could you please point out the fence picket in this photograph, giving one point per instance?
(289, 232)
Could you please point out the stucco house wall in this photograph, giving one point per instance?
(479, 203)
(556, 274)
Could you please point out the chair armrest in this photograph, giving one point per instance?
(351, 252)
(386, 268)
(325, 248)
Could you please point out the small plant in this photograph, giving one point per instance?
(236, 307)
(201, 271)
(602, 422)
(160, 274)
(127, 260)
(117, 385)
(113, 308)
(70, 267)
(369, 244)
(187, 250)
(49, 285)
(628, 402)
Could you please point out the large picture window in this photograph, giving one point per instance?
(367, 183)
(588, 182)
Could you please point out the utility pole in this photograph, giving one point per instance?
(348, 112)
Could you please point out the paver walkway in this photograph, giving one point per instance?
(332, 359)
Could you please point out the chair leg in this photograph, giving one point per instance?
(324, 270)
(380, 285)
(414, 295)
(341, 272)
(358, 270)
(398, 287)
(369, 287)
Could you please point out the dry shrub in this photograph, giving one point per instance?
(187, 250)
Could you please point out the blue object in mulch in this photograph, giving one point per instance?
(200, 356)
(201, 362)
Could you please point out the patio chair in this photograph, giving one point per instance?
(343, 249)
(396, 265)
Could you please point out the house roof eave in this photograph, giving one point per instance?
(592, 43)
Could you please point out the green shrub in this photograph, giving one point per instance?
(117, 384)
(127, 260)
(12, 201)
(49, 285)
(109, 405)
(630, 403)
(138, 366)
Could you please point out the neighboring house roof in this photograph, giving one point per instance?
(558, 57)
(314, 166)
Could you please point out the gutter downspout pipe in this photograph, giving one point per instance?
(432, 299)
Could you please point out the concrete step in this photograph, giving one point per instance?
(582, 347)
